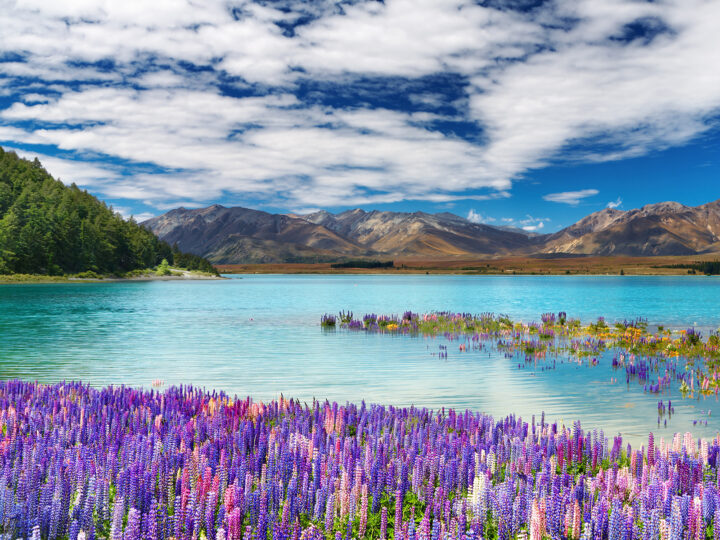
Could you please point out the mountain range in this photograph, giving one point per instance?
(241, 235)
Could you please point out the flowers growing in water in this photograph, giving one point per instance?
(640, 351)
(328, 321)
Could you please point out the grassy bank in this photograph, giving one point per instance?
(32, 278)
(150, 274)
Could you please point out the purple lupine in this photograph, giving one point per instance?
(118, 512)
(397, 524)
(132, 529)
(279, 464)
(383, 523)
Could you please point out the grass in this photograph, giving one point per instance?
(32, 278)
(90, 276)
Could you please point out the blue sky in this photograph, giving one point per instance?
(529, 113)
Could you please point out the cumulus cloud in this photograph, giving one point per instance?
(571, 197)
(196, 102)
(477, 217)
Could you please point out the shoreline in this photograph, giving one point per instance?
(29, 279)
(508, 266)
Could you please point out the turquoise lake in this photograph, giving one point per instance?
(259, 335)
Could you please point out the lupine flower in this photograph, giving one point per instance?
(76, 462)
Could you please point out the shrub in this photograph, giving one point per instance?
(88, 274)
(164, 268)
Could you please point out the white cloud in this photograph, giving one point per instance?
(360, 150)
(571, 197)
(128, 213)
(528, 223)
(615, 204)
(476, 217)
(533, 228)
(35, 98)
(537, 88)
(636, 97)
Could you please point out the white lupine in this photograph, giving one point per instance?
(476, 496)
(491, 462)
(677, 443)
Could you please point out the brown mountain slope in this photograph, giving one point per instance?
(229, 235)
(418, 233)
(658, 229)
(240, 235)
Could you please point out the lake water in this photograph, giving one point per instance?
(259, 335)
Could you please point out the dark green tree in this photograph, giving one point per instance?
(47, 227)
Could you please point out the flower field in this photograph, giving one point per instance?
(121, 463)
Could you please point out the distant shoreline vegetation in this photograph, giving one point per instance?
(362, 264)
(709, 268)
(146, 274)
(51, 229)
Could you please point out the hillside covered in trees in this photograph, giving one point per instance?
(47, 227)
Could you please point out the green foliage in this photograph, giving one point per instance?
(191, 262)
(49, 228)
(88, 274)
(31, 278)
(139, 272)
(709, 268)
(164, 268)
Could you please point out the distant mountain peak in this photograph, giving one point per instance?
(664, 208)
(665, 228)
(450, 215)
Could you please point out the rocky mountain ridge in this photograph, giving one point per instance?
(240, 235)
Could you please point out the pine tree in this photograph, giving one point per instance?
(47, 227)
